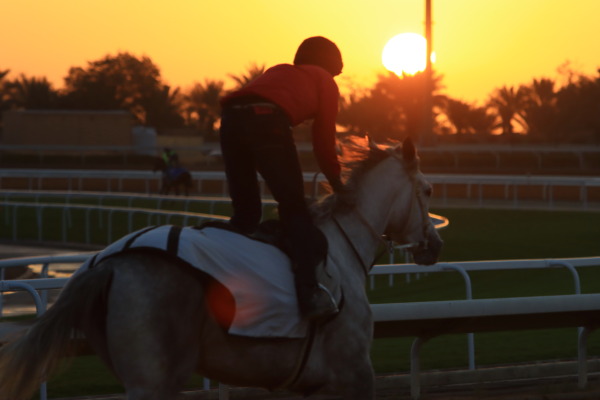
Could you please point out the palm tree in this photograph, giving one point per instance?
(540, 109)
(202, 105)
(458, 113)
(578, 116)
(392, 109)
(4, 95)
(253, 72)
(163, 108)
(481, 121)
(469, 119)
(370, 113)
(5, 103)
(509, 105)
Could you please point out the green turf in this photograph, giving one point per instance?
(478, 234)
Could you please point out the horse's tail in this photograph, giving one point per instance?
(34, 355)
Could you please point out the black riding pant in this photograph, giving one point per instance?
(259, 139)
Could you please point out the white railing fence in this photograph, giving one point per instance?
(498, 156)
(103, 215)
(153, 201)
(513, 190)
(98, 217)
(463, 269)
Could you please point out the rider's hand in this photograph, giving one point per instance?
(346, 196)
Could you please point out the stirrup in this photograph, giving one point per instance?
(317, 303)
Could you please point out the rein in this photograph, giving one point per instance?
(366, 267)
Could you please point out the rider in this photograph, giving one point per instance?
(256, 135)
(170, 158)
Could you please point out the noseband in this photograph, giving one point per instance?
(365, 267)
(418, 198)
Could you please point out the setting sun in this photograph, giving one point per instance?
(405, 53)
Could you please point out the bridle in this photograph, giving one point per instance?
(366, 267)
(417, 199)
(425, 220)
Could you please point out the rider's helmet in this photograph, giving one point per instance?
(320, 51)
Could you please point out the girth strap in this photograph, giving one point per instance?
(307, 344)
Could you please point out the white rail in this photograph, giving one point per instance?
(11, 212)
(67, 209)
(456, 152)
(478, 188)
(425, 320)
(101, 198)
(463, 268)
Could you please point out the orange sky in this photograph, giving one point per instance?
(480, 44)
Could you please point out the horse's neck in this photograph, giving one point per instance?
(365, 225)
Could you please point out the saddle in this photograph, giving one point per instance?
(271, 232)
(258, 275)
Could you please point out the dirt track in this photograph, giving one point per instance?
(397, 388)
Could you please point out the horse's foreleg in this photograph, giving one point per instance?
(363, 385)
(356, 382)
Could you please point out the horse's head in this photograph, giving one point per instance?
(390, 195)
(409, 221)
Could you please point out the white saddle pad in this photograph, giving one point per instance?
(258, 275)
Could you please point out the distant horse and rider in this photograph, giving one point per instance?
(175, 177)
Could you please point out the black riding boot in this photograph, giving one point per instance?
(315, 301)
(308, 251)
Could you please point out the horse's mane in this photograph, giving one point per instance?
(356, 158)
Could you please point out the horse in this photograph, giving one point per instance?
(174, 178)
(146, 315)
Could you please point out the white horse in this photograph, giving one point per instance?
(131, 309)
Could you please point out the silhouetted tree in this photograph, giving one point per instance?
(392, 109)
(482, 122)
(253, 72)
(578, 105)
(163, 108)
(370, 114)
(5, 101)
(32, 93)
(458, 113)
(202, 105)
(122, 82)
(469, 119)
(539, 110)
(509, 105)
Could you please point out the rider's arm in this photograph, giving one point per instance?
(324, 130)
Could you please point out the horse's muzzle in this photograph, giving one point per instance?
(427, 253)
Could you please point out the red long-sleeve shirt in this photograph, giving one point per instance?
(303, 92)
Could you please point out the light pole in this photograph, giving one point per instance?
(426, 137)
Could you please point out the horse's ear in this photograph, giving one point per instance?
(409, 152)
